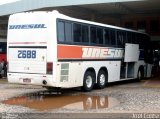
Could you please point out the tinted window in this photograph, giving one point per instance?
(100, 35)
(93, 34)
(129, 37)
(134, 38)
(68, 32)
(121, 38)
(141, 39)
(106, 36)
(61, 31)
(85, 33)
(113, 37)
(77, 32)
(124, 34)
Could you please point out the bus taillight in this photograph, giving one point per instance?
(49, 67)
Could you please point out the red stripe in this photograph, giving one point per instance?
(66, 52)
(28, 43)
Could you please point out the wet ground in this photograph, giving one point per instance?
(118, 100)
(44, 101)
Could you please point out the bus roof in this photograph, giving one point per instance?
(65, 17)
(62, 16)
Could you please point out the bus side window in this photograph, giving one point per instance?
(93, 34)
(85, 34)
(77, 32)
(129, 37)
(113, 38)
(141, 41)
(124, 34)
(134, 38)
(120, 38)
(138, 39)
(106, 37)
(61, 35)
(68, 32)
(100, 35)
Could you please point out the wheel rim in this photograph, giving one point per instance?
(102, 79)
(89, 81)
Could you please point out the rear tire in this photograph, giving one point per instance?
(101, 79)
(88, 81)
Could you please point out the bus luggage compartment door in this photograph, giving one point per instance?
(27, 60)
(131, 52)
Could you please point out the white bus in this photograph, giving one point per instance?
(54, 50)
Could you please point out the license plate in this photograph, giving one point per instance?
(27, 80)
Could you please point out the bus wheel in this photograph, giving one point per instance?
(140, 74)
(88, 81)
(101, 79)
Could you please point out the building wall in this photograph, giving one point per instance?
(150, 23)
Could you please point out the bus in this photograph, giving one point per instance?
(53, 50)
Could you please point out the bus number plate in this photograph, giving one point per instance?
(27, 54)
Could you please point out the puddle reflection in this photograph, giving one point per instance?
(47, 101)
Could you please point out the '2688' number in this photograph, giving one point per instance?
(27, 54)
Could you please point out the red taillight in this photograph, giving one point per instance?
(49, 67)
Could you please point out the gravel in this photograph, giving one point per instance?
(133, 97)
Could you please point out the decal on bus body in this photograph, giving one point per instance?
(83, 52)
(27, 26)
(102, 53)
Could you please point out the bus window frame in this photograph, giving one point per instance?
(89, 43)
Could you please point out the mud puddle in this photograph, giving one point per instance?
(47, 101)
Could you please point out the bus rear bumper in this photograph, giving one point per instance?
(32, 79)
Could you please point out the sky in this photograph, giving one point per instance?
(6, 1)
